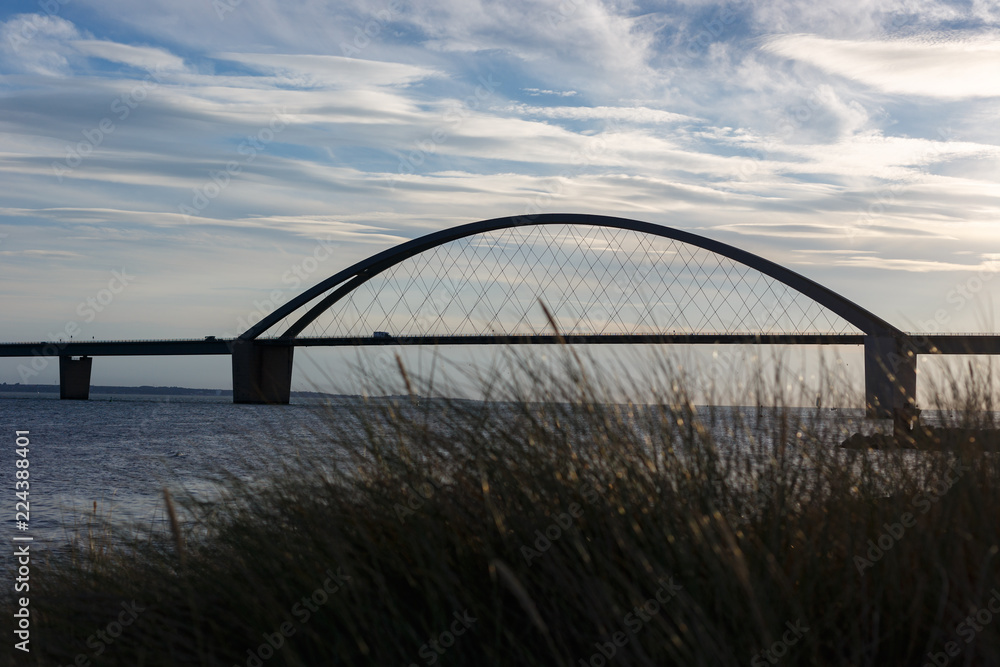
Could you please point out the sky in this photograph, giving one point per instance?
(181, 160)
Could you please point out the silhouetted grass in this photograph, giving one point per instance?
(549, 513)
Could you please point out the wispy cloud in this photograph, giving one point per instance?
(915, 265)
(56, 254)
(142, 57)
(38, 44)
(534, 92)
(638, 115)
(948, 66)
(338, 71)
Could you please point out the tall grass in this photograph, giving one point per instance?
(537, 527)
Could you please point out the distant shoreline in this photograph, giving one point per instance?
(144, 390)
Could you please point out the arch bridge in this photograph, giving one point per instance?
(603, 279)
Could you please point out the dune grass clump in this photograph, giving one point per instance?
(556, 523)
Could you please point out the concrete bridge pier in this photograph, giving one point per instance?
(74, 377)
(261, 373)
(890, 380)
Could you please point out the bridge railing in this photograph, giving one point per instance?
(526, 334)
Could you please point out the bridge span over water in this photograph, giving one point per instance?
(604, 280)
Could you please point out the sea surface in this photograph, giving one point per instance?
(117, 453)
(113, 455)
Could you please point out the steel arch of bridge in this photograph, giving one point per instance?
(344, 282)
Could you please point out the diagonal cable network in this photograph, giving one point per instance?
(594, 280)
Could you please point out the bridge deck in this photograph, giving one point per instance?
(933, 344)
(584, 339)
(224, 346)
(116, 348)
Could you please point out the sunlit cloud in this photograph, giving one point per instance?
(38, 44)
(136, 56)
(916, 265)
(541, 91)
(945, 66)
(630, 114)
(339, 71)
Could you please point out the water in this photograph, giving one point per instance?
(121, 453)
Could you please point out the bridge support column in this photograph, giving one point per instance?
(890, 379)
(261, 373)
(74, 378)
